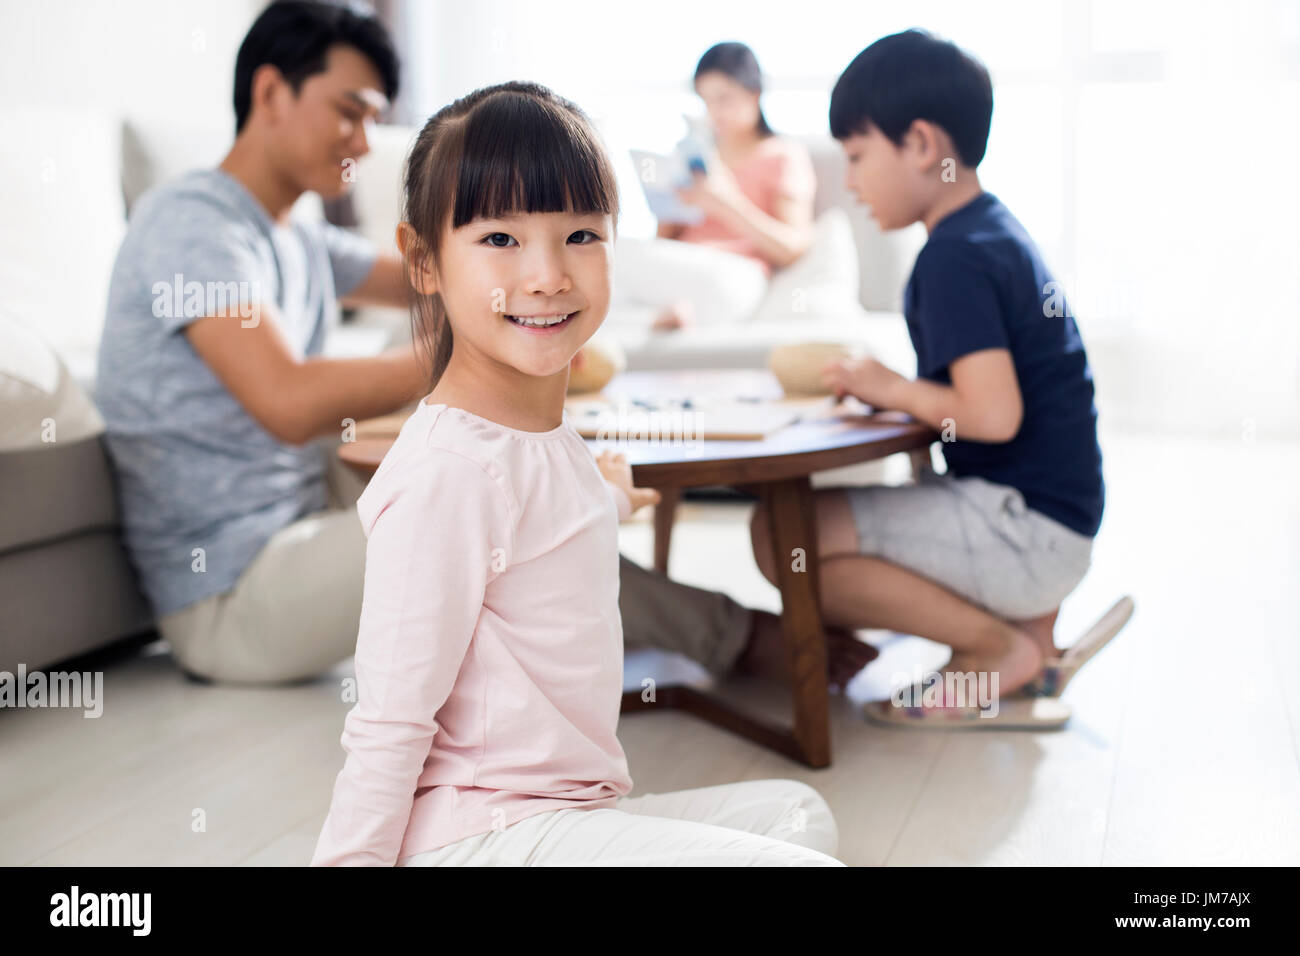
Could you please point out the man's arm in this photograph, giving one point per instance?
(983, 403)
(385, 284)
(296, 399)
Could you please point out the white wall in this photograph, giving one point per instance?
(71, 71)
(153, 57)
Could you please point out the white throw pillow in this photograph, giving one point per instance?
(823, 282)
(39, 400)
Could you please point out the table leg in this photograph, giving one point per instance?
(920, 459)
(792, 520)
(665, 513)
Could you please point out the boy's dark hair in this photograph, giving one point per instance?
(738, 62)
(913, 75)
(294, 35)
(511, 148)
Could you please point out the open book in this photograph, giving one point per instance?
(661, 176)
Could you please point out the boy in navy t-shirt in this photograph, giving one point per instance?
(978, 558)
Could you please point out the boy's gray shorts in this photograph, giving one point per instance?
(975, 538)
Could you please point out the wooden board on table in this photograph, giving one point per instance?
(718, 419)
(706, 420)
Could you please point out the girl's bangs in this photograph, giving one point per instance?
(522, 156)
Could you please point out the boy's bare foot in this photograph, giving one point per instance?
(1014, 655)
(1043, 631)
(765, 654)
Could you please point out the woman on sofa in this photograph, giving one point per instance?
(757, 199)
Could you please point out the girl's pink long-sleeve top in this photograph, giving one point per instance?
(489, 657)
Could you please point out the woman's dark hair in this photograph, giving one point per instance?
(738, 62)
(294, 36)
(910, 76)
(502, 150)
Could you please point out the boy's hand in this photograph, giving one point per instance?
(618, 472)
(865, 379)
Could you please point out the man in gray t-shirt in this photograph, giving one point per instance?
(211, 377)
(203, 485)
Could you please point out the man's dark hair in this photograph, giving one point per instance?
(294, 35)
(910, 76)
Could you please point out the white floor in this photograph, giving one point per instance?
(1183, 748)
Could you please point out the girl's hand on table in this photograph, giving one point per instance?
(617, 471)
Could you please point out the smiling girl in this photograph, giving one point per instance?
(489, 656)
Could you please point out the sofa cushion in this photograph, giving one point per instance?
(66, 598)
(821, 282)
(40, 402)
(64, 489)
(52, 462)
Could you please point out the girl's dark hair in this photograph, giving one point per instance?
(502, 150)
(738, 62)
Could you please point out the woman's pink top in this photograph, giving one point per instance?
(777, 168)
(489, 658)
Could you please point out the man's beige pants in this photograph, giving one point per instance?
(294, 612)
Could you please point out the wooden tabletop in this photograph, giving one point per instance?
(826, 436)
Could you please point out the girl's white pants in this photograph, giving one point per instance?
(750, 823)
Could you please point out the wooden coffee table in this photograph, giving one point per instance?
(777, 469)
